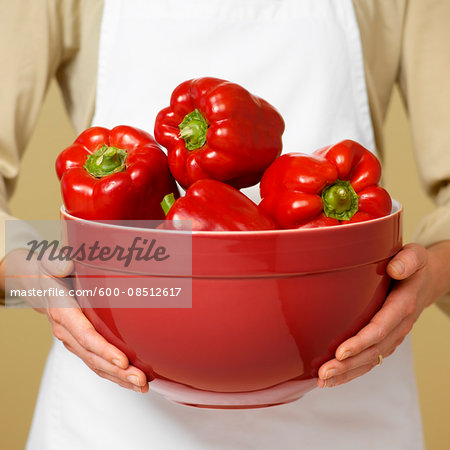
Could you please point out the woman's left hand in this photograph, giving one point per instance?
(422, 275)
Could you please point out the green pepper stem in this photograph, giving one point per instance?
(106, 161)
(193, 130)
(340, 200)
(167, 203)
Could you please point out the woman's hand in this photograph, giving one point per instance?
(68, 322)
(421, 277)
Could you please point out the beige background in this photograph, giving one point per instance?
(25, 335)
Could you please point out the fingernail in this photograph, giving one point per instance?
(118, 363)
(330, 373)
(133, 379)
(397, 267)
(62, 267)
(344, 355)
(137, 389)
(329, 383)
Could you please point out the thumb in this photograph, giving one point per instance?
(57, 267)
(410, 259)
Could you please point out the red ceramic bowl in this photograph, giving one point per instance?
(268, 308)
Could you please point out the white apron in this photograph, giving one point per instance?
(304, 57)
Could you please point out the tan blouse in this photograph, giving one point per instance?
(404, 42)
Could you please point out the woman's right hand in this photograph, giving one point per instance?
(68, 322)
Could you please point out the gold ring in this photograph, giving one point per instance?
(380, 360)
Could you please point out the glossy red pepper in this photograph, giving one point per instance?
(336, 185)
(214, 129)
(118, 174)
(210, 205)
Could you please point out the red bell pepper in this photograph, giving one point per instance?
(214, 206)
(118, 174)
(215, 129)
(336, 185)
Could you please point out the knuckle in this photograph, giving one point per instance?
(82, 340)
(98, 372)
(396, 344)
(85, 337)
(54, 315)
(102, 346)
(90, 360)
(68, 347)
(366, 369)
(118, 372)
(381, 333)
(373, 356)
(115, 372)
(406, 327)
(58, 332)
(373, 363)
(411, 307)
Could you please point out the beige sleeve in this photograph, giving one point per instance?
(406, 41)
(42, 39)
(380, 25)
(33, 45)
(424, 81)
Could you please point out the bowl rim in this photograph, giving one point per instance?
(396, 210)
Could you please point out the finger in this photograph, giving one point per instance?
(56, 279)
(141, 389)
(131, 378)
(346, 377)
(398, 306)
(77, 324)
(336, 368)
(59, 293)
(407, 261)
(56, 267)
(368, 357)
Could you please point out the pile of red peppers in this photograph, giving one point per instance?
(219, 138)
